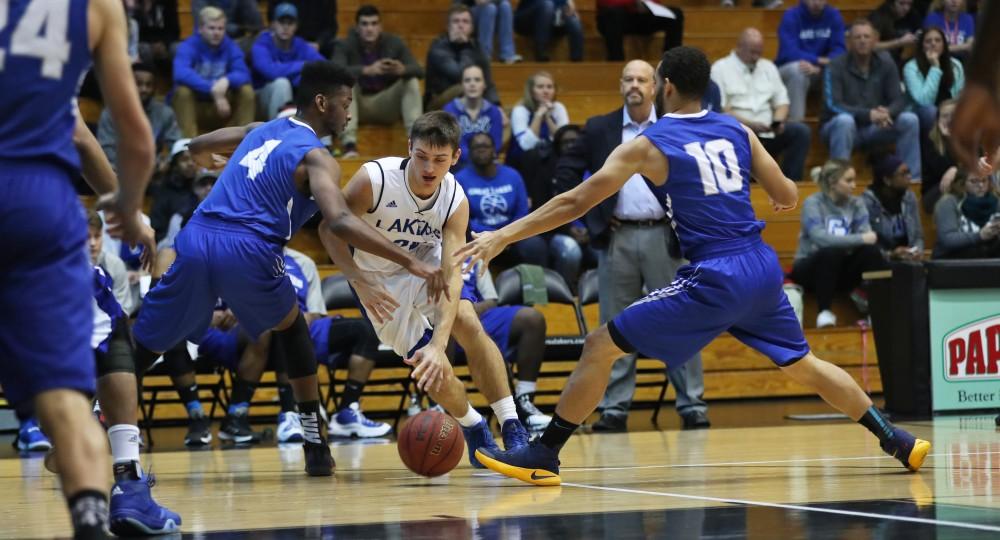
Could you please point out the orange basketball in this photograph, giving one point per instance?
(431, 444)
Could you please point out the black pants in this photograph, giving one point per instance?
(614, 23)
(836, 269)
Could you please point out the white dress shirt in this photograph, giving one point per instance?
(750, 94)
(635, 200)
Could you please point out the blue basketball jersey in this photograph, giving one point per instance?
(44, 54)
(107, 310)
(707, 192)
(256, 189)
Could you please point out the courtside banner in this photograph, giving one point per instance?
(965, 348)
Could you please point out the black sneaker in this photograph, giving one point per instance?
(695, 420)
(235, 428)
(199, 432)
(319, 460)
(610, 423)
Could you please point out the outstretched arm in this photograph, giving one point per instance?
(324, 178)
(222, 142)
(624, 161)
(783, 192)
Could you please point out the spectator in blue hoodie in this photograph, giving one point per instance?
(809, 36)
(497, 196)
(278, 56)
(211, 80)
(475, 113)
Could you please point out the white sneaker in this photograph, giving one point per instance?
(533, 418)
(290, 427)
(351, 422)
(825, 319)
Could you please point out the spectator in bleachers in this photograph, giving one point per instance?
(475, 113)
(173, 195)
(752, 92)
(898, 27)
(615, 18)
(893, 211)
(959, 27)
(211, 79)
(967, 219)
(497, 196)
(449, 55)
(535, 118)
(938, 164)
(494, 18)
(541, 18)
(863, 104)
(836, 242)
(809, 37)
(932, 76)
(159, 30)
(242, 16)
(197, 191)
(317, 22)
(161, 120)
(109, 262)
(388, 86)
(277, 57)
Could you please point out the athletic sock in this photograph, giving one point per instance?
(525, 387)
(504, 409)
(286, 396)
(189, 396)
(352, 393)
(558, 432)
(124, 439)
(309, 414)
(471, 418)
(88, 511)
(242, 394)
(877, 424)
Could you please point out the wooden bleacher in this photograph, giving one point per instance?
(731, 370)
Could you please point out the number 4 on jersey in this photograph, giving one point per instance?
(257, 158)
(717, 165)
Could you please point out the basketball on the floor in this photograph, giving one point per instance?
(431, 444)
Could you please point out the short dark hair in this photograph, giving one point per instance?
(366, 10)
(458, 8)
(487, 134)
(860, 21)
(687, 69)
(321, 77)
(143, 66)
(436, 128)
(94, 220)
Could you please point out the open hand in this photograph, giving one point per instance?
(434, 276)
(127, 225)
(483, 247)
(378, 303)
(432, 367)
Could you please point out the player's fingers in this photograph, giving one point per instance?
(391, 303)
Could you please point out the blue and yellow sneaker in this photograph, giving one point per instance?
(30, 437)
(533, 463)
(476, 437)
(909, 450)
(514, 434)
(133, 512)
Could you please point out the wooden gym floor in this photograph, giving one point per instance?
(780, 481)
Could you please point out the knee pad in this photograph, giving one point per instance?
(297, 349)
(118, 358)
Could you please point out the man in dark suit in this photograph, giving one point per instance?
(637, 248)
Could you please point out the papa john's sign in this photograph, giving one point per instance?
(965, 349)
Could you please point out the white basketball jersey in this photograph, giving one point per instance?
(397, 214)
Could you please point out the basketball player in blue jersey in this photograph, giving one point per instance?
(698, 164)
(46, 47)
(278, 176)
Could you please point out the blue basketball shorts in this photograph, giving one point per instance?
(739, 292)
(221, 346)
(46, 284)
(215, 260)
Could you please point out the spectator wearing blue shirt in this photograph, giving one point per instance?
(278, 56)
(959, 27)
(497, 196)
(809, 36)
(475, 113)
(211, 80)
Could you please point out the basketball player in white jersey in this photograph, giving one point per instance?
(417, 204)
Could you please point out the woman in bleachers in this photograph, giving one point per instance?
(967, 219)
(475, 113)
(937, 164)
(959, 27)
(932, 76)
(535, 118)
(836, 242)
(892, 210)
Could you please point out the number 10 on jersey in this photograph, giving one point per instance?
(717, 165)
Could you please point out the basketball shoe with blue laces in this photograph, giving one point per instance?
(133, 512)
(478, 437)
(351, 422)
(533, 463)
(909, 450)
(514, 434)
